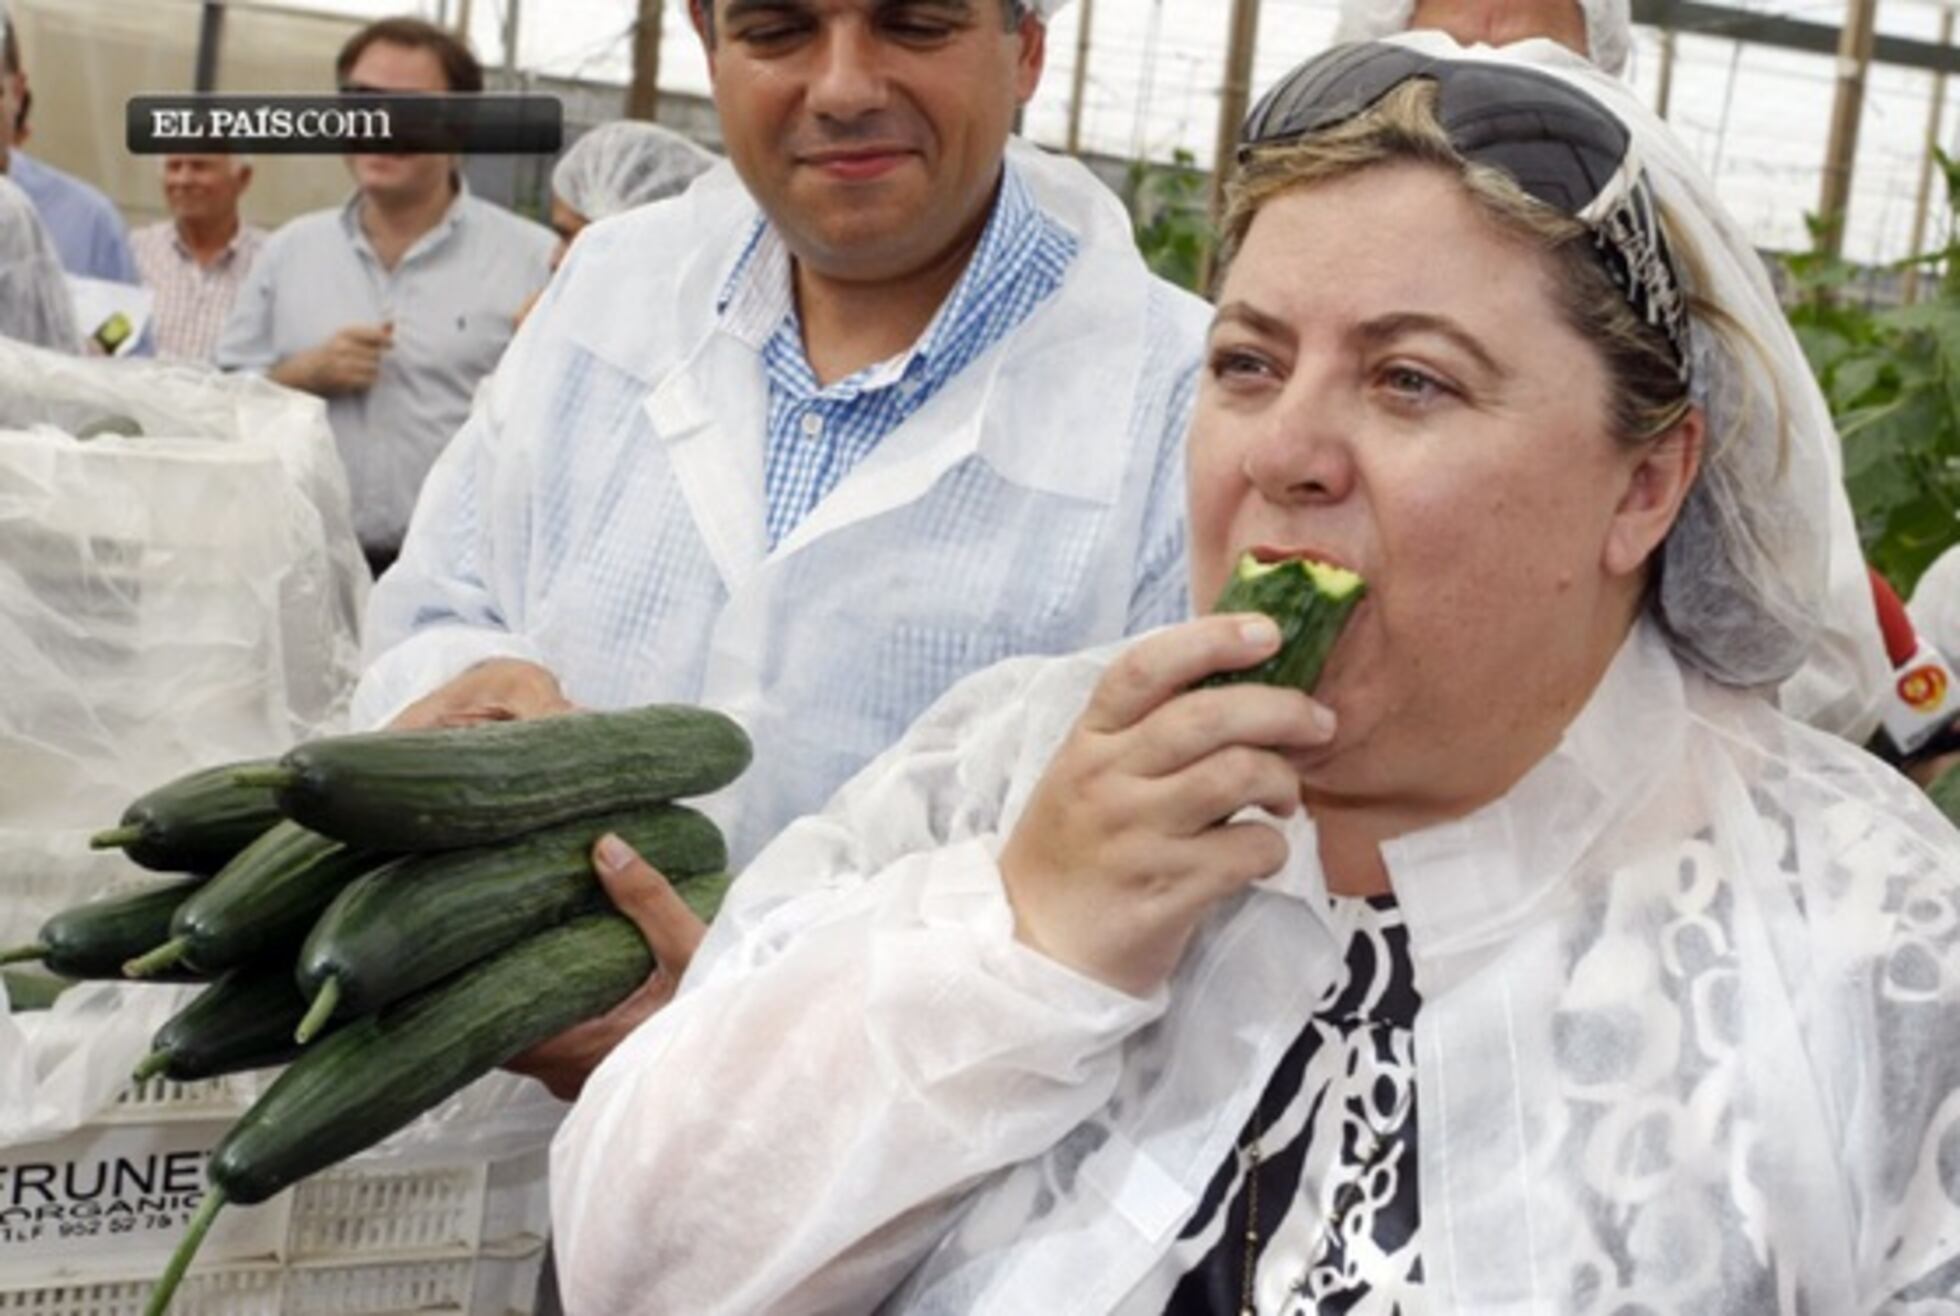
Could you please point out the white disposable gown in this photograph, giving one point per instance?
(1690, 1042)
(602, 512)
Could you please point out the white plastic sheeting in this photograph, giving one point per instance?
(184, 597)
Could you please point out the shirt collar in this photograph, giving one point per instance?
(237, 243)
(452, 218)
(757, 300)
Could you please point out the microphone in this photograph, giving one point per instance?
(1918, 719)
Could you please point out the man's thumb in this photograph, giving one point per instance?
(671, 929)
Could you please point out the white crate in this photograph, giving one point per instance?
(87, 1221)
(489, 1284)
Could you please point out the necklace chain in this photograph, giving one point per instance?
(1330, 1222)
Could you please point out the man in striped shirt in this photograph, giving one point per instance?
(196, 260)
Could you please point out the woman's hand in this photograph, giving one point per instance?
(1125, 843)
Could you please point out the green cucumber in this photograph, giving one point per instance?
(1310, 600)
(415, 922)
(452, 787)
(349, 1091)
(93, 940)
(244, 1020)
(264, 901)
(194, 824)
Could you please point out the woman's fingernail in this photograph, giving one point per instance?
(1259, 632)
(1322, 719)
(613, 853)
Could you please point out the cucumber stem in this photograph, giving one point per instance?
(153, 1064)
(23, 954)
(156, 961)
(180, 1260)
(116, 838)
(273, 778)
(318, 1013)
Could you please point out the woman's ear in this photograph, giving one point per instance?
(1657, 485)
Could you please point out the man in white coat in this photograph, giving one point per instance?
(883, 401)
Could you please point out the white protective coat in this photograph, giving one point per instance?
(1691, 997)
(602, 513)
(34, 299)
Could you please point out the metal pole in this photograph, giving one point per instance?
(463, 19)
(510, 36)
(1664, 96)
(1235, 95)
(210, 37)
(1910, 289)
(1854, 60)
(1086, 12)
(643, 92)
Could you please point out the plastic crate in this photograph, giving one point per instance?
(492, 1283)
(88, 1219)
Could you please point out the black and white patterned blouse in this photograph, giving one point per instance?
(1328, 1159)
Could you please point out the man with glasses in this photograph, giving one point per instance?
(396, 304)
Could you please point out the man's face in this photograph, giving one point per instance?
(201, 189)
(387, 67)
(870, 131)
(1500, 22)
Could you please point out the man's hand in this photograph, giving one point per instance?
(495, 690)
(349, 362)
(672, 930)
(1125, 843)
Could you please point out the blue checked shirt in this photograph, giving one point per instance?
(817, 434)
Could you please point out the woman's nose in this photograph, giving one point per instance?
(1302, 449)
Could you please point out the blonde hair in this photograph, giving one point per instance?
(1648, 397)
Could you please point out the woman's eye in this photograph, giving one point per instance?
(1230, 363)
(1412, 385)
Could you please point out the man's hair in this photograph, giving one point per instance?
(1011, 14)
(459, 67)
(10, 66)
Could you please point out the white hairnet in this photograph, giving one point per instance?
(624, 164)
(34, 301)
(1935, 604)
(1745, 569)
(1609, 26)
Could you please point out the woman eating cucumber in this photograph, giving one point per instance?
(1533, 962)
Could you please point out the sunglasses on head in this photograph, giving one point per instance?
(1561, 148)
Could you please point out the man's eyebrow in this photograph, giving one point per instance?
(744, 8)
(953, 8)
(1387, 328)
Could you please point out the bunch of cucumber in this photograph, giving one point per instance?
(393, 915)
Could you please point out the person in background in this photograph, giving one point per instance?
(615, 167)
(1844, 685)
(1549, 969)
(884, 399)
(1600, 30)
(611, 169)
(196, 260)
(396, 304)
(86, 229)
(34, 303)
